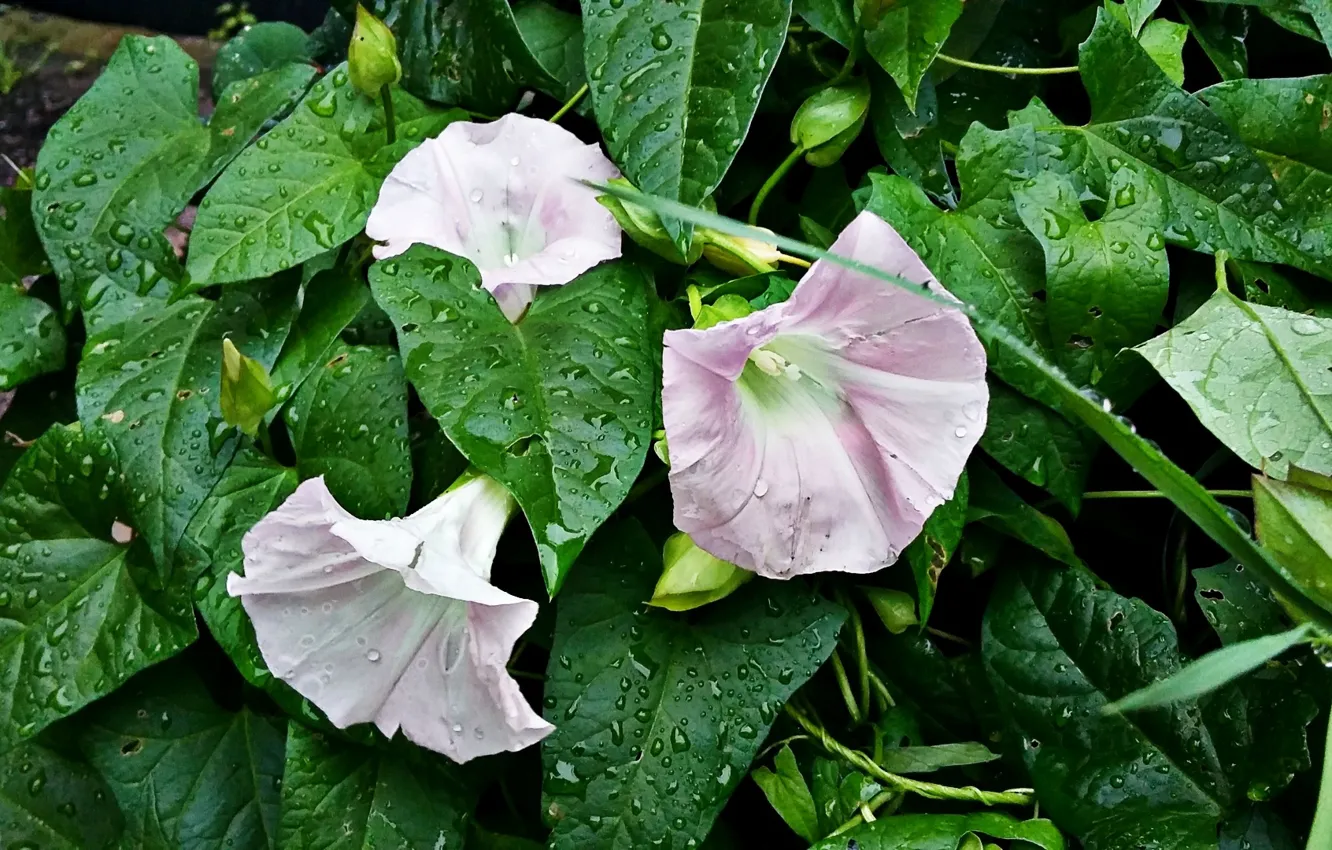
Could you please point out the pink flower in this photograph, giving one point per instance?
(394, 622)
(819, 434)
(505, 196)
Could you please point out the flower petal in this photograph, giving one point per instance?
(836, 464)
(504, 195)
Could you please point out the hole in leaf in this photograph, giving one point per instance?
(523, 445)
(336, 361)
(184, 394)
(1116, 619)
(1094, 311)
(1039, 295)
(410, 327)
(1262, 285)
(1212, 594)
(132, 746)
(1080, 341)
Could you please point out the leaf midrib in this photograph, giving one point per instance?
(1305, 393)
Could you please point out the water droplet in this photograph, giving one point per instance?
(476, 196)
(960, 431)
(1306, 327)
(372, 656)
(760, 488)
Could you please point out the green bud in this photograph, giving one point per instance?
(372, 56)
(896, 609)
(737, 254)
(644, 227)
(692, 578)
(829, 120)
(724, 309)
(246, 392)
(660, 448)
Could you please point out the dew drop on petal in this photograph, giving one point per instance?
(372, 656)
(760, 488)
(476, 196)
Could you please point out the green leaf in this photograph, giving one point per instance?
(21, 253)
(348, 423)
(262, 47)
(307, 185)
(1031, 440)
(896, 608)
(468, 53)
(252, 486)
(82, 613)
(943, 832)
(247, 394)
(334, 301)
(906, 38)
(1164, 42)
(186, 772)
(1138, 11)
(32, 340)
(1260, 828)
(555, 38)
(937, 757)
(1217, 194)
(1106, 280)
(627, 764)
(151, 378)
(1294, 521)
(675, 86)
(558, 407)
(342, 796)
(833, 18)
(50, 801)
(1221, 31)
(123, 162)
(1058, 650)
(789, 795)
(1237, 606)
(1211, 671)
(910, 140)
(929, 553)
(1257, 379)
(995, 504)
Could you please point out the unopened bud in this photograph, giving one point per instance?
(644, 227)
(737, 254)
(692, 578)
(896, 609)
(247, 394)
(372, 56)
(828, 121)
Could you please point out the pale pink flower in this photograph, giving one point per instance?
(395, 621)
(818, 434)
(504, 195)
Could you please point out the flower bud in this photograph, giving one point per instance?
(247, 393)
(724, 309)
(372, 56)
(828, 121)
(644, 227)
(737, 254)
(896, 609)
(692, 578)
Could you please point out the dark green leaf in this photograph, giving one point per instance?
(186, 773)
(1257, 829)
(21, 253)
(262, 47)
(50, 801)
(558, 408)
(151, 376)
(944, 832)
(32, 340)
(333, 301)
(675, 86)
(789, 795)
(1031, 440)
(1275, 286)
(995, 504)
(627, 764)
(348, 423)
(906, 38)
(342, 796)
(909, 140)
(81, 613)
(307, 185)
(833, 18)
(929, 553)
(555, 38)
(1238, 606)
(1221, 30)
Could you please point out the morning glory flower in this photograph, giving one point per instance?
(395, 621)
(818, 434)
(505, 195)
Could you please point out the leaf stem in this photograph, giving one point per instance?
(795, 261)
(880, 800)
(862, 657)
(1222, 284)
(1320, 834)
(569, 104)
(1157, 494)
(390, 125)
(844, 685)
(929, 790)
(1005, 69)
(772, 182)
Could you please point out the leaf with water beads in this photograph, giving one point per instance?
(48, 799)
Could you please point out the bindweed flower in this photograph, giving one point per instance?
(394, 622)
(505, 196)
(819, 433)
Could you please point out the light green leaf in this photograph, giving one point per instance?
(80, 612)
(1237, 605)
(1164, 42)
(1257, 379)
(348, 423)
(342, 796)
(789, 795)
(307, 185)
(906, 38)
(48, 800)
(32, 340)
(627, 764)
(265, 46)
(247, 394)
(896, 608)
(188, 774)
(151, 377)
(558, 408)
(333, 301)
(675, 86)
(1138, 11)
(944, 832)
(1294, 521)
(937, 757)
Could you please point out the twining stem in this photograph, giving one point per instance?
(772, 182)
(882, 690)
(1320, 834)
(391, 126)
(569, 104)
(862, 656)
(1004, 69)
(844, 685)
(1157, 494)
(930, 790)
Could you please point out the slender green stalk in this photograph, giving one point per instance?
(569, 104)
(390, 125)
(772, 182)
(880, 800)
(1320, 834)
(862, 656)
(844, 685)
(929, 790)
(1157, 494)
(1004, 69)
(882, 690)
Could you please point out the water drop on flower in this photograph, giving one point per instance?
(760, 488)
(476, 196)
(373, 656)
(960, 431)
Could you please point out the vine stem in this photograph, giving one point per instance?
(844, 685)
(569, 104)
(1004, 69)
(772, 181)
(878, 802)
(390, 125)
(929, 790)
(1157, 494)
